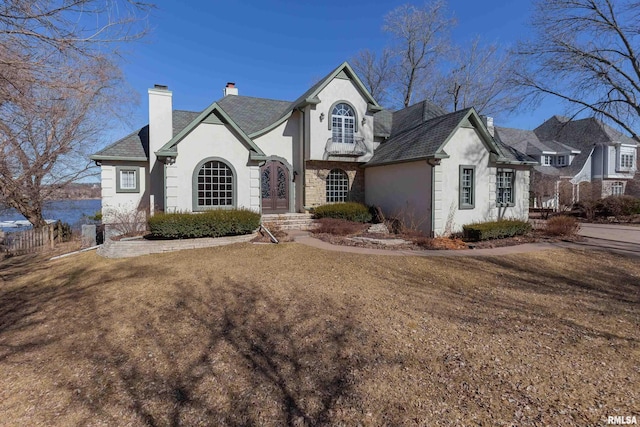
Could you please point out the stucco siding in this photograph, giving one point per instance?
(338, 90)
(402, 191)
(117, 205)
(217, 142)
(465, 148)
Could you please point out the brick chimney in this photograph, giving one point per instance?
(230, 89)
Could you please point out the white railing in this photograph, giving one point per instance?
(344, 147)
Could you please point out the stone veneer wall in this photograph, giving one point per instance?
(316, 176)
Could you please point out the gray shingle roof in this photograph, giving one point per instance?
(420, 142)
(253, 114)
(414, 115)
(579, 133)
(382, 122)
(136, 144)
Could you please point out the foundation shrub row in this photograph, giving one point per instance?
(350, 211)
(214, 223)
(495, 229)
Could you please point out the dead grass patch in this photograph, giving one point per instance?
(291, 335)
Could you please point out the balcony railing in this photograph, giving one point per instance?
(344, 147)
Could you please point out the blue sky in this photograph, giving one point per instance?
(278, 48)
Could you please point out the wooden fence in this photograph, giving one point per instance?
(28, 241)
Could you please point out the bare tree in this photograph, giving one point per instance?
(419, 38)
(59, 85)
(585, 52)
(375, 71)
(479, 76)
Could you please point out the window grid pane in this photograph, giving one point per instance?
(128, 180)
(343, 123)
(504, 193)
(216, 179)
(337, 186)
(467, 187)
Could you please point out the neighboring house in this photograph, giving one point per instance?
(334, 143)
(579, 160)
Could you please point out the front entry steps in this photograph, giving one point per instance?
(289, 221)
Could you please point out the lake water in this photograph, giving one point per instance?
(70, 211)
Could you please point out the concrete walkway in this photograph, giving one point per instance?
(614, 237)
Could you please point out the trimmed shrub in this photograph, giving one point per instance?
(351, 211)
(562, 225)
(618, 206)
(338, 227)
(495, 229)
(214, 223)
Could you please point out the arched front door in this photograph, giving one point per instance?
(275, 187)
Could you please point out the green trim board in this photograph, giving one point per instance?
(344, 70)
(170, 148)
(463, 204)
(119, 171)
(121, 158)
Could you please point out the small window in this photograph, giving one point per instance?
(547, 160)
(561, 161)
(214, 186)
(127, 179)
(505, 187)
(467, 187)
(626, 161)
(337, 186)
(617, 188)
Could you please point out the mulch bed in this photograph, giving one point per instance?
(440, 243)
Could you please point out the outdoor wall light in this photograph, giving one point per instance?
(321, 116)
(364, 120)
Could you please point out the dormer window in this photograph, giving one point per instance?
(547, 160)
(626, 161)
(561, 161)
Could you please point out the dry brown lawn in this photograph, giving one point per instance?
(291, 335)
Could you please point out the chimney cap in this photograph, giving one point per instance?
(231, 84)
(161, 87)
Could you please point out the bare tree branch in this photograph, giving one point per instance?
(59, 87)
(585, 53)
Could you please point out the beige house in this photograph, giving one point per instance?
(334, 143)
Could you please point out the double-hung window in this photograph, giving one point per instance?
(467, 187)
(561, 160)
(505, 188)
(547, 160)
(127, 179)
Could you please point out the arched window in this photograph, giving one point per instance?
(214, 186)
(343, 123)
(337, 186)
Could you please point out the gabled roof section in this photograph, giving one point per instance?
(135, 146)
(427, 140)
(170, 148)
(342, 71)
(254, 114)
(415, 114)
